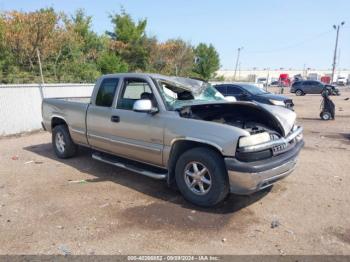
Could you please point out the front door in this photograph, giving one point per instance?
(121, 131)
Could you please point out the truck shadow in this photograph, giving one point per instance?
(158, 189)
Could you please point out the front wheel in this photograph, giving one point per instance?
(62, 142)
(201, 177)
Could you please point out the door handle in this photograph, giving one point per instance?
(115, 119)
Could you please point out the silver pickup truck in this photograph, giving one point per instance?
(178, 129)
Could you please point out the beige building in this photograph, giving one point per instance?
(251, 74)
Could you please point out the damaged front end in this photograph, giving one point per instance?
(269, 150)
(271, 129)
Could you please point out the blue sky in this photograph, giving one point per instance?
(273, 33)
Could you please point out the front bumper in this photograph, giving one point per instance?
(249, 177)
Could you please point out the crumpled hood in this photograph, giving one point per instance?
(285, 116)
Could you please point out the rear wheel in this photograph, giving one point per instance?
(299, 92)
(325, 115)
(62, 142)
(201, 177)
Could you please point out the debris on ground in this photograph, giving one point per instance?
(289, 231)
(34, 162)
(104, 205)
(14, 157)
(338, 177)
(64, 249)
(275, 223)
(60, 227)
(82, 181)
(223, 240)
(191, 218)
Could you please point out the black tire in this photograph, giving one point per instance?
(214, 163)
(69, 149)
(326, 116)
(299, 92)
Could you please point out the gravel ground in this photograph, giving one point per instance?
(80, 206)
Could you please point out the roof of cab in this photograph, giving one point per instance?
(190, 83)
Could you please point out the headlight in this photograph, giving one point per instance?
(254, 139)
(277, 102)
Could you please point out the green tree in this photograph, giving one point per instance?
(111, 63)
(207, 61)
(131, 40)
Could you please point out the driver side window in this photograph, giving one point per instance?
(134, 89)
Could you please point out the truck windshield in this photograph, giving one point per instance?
(176, 95)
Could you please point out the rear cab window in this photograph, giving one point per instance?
(106, 92)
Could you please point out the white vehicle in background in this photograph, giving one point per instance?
(341, 81)
(314, 77)
(262, 80)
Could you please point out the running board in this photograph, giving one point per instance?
(128, 166)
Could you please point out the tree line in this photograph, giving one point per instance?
(70, 51)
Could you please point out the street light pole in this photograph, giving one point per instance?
(237, 60)
(335, 49)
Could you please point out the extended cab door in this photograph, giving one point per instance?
(120, 130)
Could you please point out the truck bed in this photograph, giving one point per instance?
(72, 110)
(85, 99)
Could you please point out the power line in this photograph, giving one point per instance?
(307, 40)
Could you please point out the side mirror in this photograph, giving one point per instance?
(145, 106)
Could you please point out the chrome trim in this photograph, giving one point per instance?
(247, 183)
(121, 165)
(273, 143)
(123, 143)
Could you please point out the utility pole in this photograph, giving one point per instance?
(336, 27)
(41, 74)
(237, 60)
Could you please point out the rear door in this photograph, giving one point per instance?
(317, 87)
(307, 87)
(99, 124)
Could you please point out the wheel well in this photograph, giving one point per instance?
(177, 150)
(55, 121)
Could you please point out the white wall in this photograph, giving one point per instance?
(20, 105)
(242, 75)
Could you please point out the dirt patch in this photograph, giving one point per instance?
(341, 136)
(181, 216)
(342, 234)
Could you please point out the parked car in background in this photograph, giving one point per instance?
(246, 92)
(274, 83)
(301, 88)
(326, 79)
(178, 129)
(341, 81)
(284, 80)
(262, 80)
